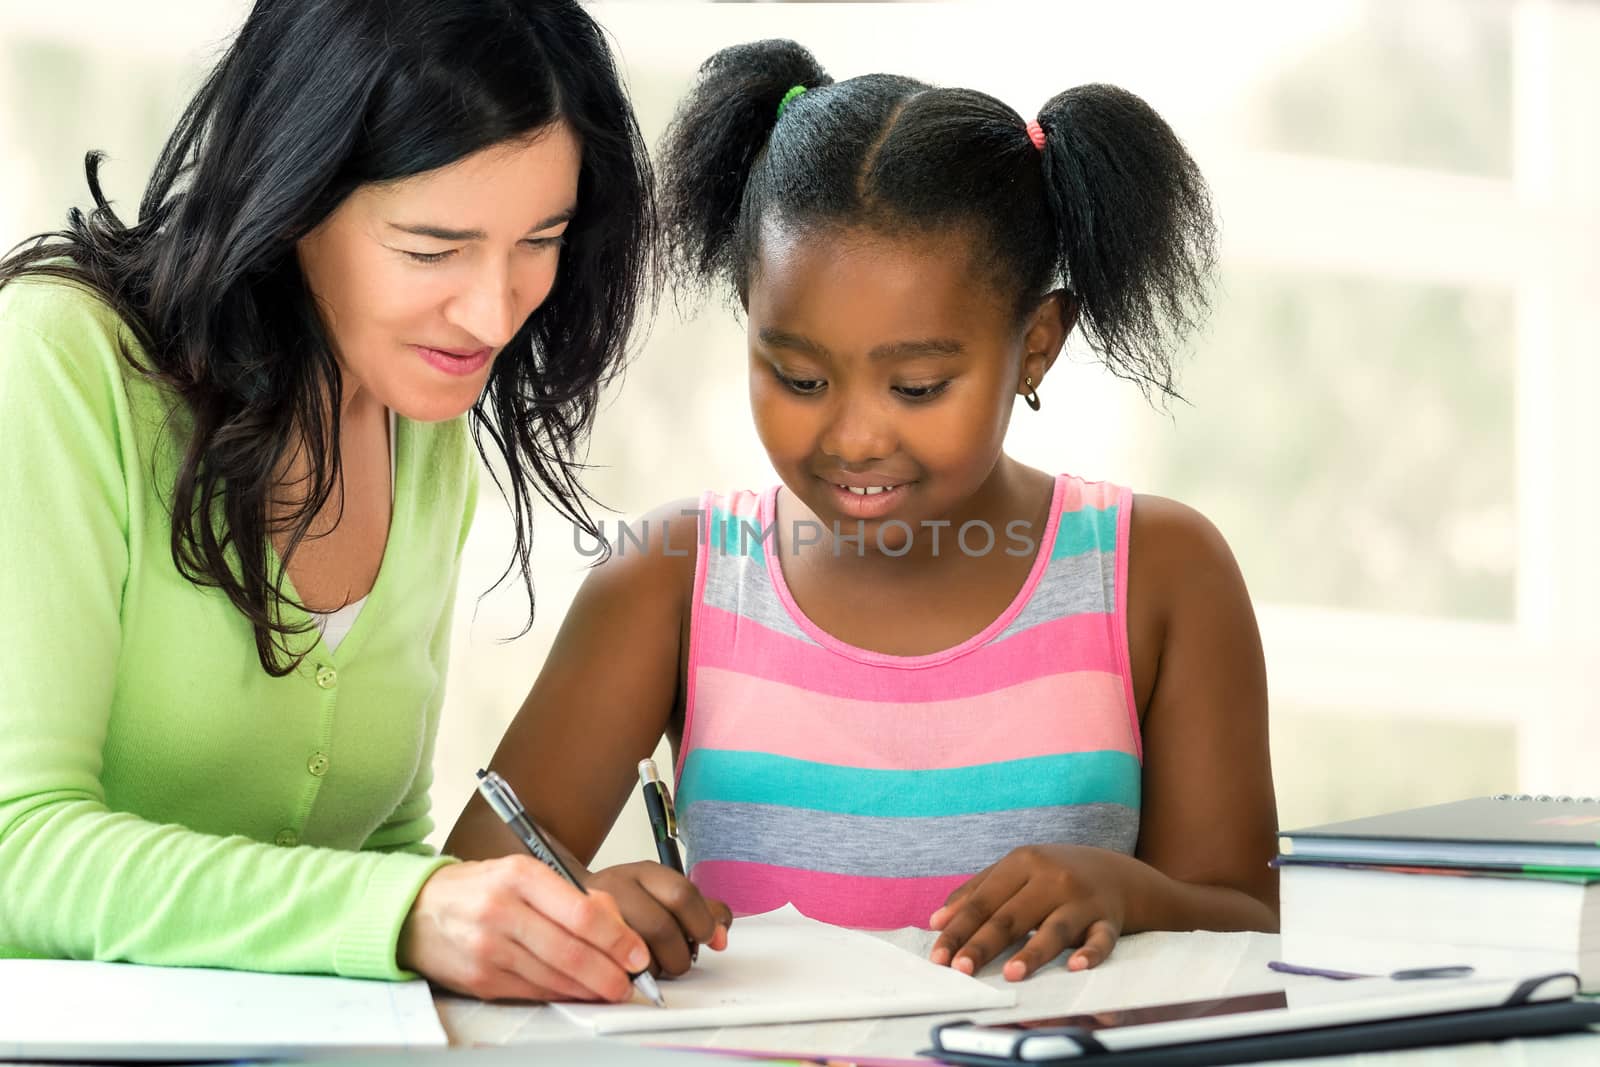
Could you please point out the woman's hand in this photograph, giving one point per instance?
(1066, 896)
(512, 929)
(668, 910)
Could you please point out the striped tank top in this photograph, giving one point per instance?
(864, 787)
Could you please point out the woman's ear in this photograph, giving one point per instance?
(1047, 330)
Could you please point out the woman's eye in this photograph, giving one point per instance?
(921, 392)
(803, 386)
(546, 242)
(431, 257)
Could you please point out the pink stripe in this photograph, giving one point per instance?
(1074, 643)
(1119, 631)
(695, 643)
(839, 899)
(1080, 495)
(1080, 712)
(741, 504)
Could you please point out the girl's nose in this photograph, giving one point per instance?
(858, 432)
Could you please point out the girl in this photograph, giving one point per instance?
(238, 476)
(919, 682)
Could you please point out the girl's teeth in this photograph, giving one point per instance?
(871, 490)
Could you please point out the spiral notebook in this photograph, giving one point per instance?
(1508, 832)
(1434, 887)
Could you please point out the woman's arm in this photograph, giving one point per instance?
(80, 880)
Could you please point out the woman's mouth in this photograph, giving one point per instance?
(454, 361)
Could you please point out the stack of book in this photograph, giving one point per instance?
(1505, 885)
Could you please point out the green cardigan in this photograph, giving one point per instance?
(162, 798)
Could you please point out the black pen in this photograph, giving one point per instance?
(663, 826)
(498, 793)
(663, 820)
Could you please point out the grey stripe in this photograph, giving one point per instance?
(1072, 585)
(894, 848)
(740, 584)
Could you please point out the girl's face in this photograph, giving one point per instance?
(882, 375)
(422, 281)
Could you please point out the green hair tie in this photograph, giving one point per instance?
(798, 90)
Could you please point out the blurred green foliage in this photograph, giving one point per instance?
(1425, 83)
(1353, 439)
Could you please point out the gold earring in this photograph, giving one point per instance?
(1032, 395)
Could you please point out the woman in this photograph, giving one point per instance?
(238, 476)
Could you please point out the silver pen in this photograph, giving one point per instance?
(498, 793)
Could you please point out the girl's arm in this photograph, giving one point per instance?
(1207, 816)
(1208, 819)
(604, 699)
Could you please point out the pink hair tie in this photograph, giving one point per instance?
(1036, 134)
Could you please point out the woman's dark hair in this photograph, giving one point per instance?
(1112, 207)
(312, 99)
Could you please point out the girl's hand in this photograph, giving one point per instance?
(513, 929)
(667, 910)
(1068, 896)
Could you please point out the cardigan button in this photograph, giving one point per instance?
(286, 838)
(327, 677)
(317, 764)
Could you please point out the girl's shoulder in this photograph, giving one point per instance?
(658, 553)
(1168, 534)
(1162, 532)
(654, 553)
(1175, 556)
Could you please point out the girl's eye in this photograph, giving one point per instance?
(921, 392)
(802, 386)
(546, 242)
(432, 257)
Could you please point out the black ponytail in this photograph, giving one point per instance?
(709, 149)
(1134, 229)
(1112, 207)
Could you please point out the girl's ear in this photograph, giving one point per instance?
(1046, 332)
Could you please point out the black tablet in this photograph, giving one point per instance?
(1430, 1010)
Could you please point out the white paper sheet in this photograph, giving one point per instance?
(782, 967)
(69, 1010)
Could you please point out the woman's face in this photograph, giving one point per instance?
(422, 281)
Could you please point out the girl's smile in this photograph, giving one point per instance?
(869, 500)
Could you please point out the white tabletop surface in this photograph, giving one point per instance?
(1145, 969)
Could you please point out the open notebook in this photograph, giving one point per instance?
(69, 1010)
(782, 967)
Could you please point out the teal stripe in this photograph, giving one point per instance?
(1085, 530)
(735, 535)
(1104, 777)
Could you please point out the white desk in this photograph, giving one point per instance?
(1144, 969)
